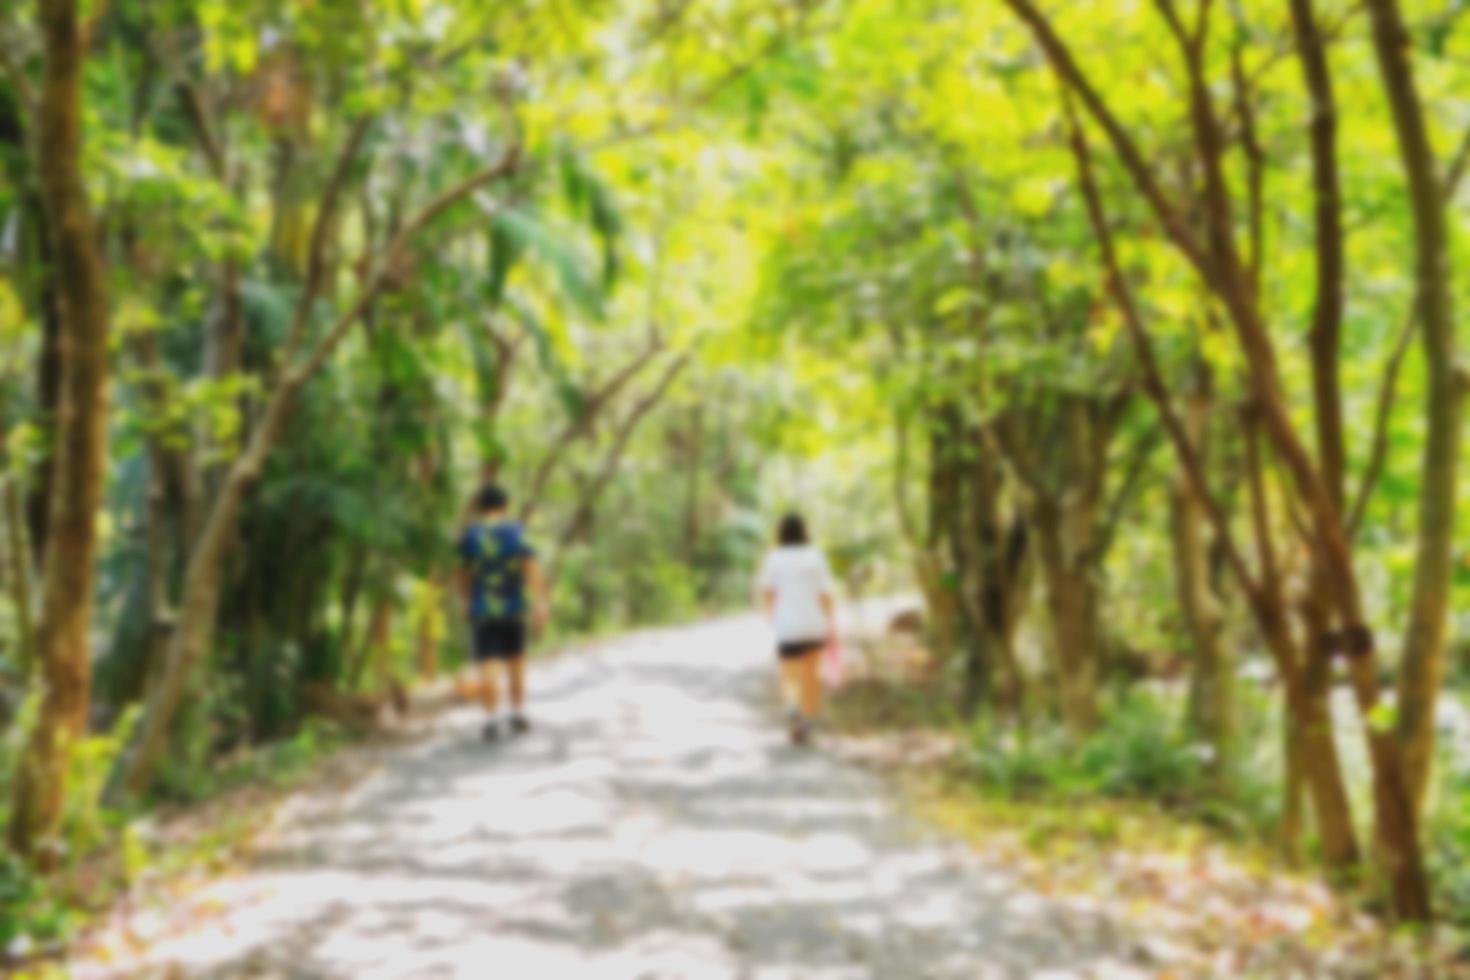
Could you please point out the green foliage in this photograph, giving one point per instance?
(36, 911)
(281, 763)
(849, 229)
(31, 913)
(1448, 835)
(1138, 752)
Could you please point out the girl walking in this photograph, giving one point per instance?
(798, 595)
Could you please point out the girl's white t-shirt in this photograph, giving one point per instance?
(799, 577)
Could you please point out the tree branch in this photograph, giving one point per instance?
(582, 424)
(1132, 479)
(1455, 172)
(1143, 173)
(394, 250)
(316, 257)
(1382, 412)
(1153, 378)
(1326, 331)
(1255, 155)
(1388, 391)
(587, 501)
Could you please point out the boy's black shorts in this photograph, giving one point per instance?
(499, 639)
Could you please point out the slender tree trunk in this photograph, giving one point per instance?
(989, 584)
(35, 244)
(960, 512)
(942, 622)
(1313, 747)
(1212, 674)
(1005, 606)
(374, 643)
(1312, 731)
(37, 241)
(1072, 608)
(1066, 525)
(1293, 786)
(48, 396)
(1422, 673)
(430, 629)
(196, 617)
(1325, 340)
(947, 631)
(62, 632)
(156, 571)
(18, 576)
(171, 512)
(40, 237)
(693, 488)
(224, 351)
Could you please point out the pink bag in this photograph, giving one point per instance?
(832, 664)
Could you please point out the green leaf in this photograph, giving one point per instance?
(526, 232)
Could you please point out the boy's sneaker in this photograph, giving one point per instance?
(519, 725)
(801, 730)
(491, 731)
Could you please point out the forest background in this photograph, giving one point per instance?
(1123, 334)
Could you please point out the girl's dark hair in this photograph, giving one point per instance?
(792, 531)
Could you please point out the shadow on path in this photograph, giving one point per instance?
(653, 825)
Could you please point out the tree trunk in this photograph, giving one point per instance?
(171, 511)
(942, 622)
(1312, 732)
(1005, 606)
(63, 629)
(374, 644)
(1424, 637)
(36, 236)
(1071, 603)
(693, 488)
(430, 629)
(196, 614)
(1066, 526)
(998, 584)
(1212, 673)
(224, 348)
(18, 576)
(950, 632)
(1293, 786)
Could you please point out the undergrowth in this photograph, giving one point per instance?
(102, 850)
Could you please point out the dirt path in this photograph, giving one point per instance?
(655, 824)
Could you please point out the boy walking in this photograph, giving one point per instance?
(497, 569)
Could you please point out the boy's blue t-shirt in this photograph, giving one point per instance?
(495, 555)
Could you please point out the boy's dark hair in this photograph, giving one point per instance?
(491, 497)
(792, 531)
